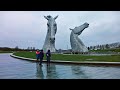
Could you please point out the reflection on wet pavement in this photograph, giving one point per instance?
(11, 68)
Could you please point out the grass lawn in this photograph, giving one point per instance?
(5, 51)
(77, 57)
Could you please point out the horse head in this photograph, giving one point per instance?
(52, 27)
(78, 30)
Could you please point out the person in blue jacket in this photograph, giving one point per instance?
(41, 57)
(48, 56)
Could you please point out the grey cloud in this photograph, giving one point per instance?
(30, 28)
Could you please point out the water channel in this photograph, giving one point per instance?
(12, 68)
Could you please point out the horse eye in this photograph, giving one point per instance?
(54, 24)
(48, 25)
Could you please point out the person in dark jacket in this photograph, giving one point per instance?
(48, 55)
(41, 57)
(37, 55)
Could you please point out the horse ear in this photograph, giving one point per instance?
(70, 29)
(46, 17)
(56, 17)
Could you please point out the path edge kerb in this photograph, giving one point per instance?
(68, 62)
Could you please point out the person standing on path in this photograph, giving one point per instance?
(41, 57)
(48, 56)
(37, 55)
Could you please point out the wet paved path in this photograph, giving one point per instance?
(12, 68)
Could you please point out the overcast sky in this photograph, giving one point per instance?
(28, 28)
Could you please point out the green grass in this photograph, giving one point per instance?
(5, 51)
(62, 57)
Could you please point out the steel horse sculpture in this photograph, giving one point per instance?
(50, 37)
(76, 44)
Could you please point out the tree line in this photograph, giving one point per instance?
(17, 49)
(105, 46)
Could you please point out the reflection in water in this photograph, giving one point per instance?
(39, 73)
(51, 71)
(11, 68)
(78, 72)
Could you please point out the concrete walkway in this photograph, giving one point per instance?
(70, 62)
